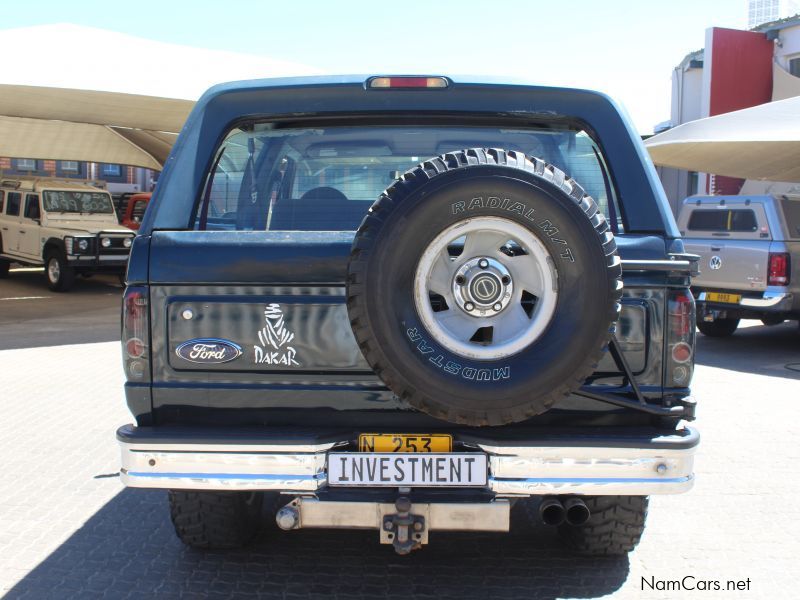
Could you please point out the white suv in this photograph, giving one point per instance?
(68, 227)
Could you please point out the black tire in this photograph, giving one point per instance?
(218, 520)
(4, 267)
(773, 320)
(718, 327)
(614, 528)
(64, 278)
(410, 214)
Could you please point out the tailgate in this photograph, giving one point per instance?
(730, 264)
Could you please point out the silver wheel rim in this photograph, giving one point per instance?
(53, 270)
(495, 298)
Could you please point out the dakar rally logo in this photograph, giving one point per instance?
(275, 340)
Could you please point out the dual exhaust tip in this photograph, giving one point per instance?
(573, 510)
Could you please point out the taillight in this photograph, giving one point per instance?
(405, 81)
(680, 339)
(778, 272)
(135, 333)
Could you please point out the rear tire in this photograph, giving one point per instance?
(718, 327)
(215, 519)
(60, 276)
(614, 528)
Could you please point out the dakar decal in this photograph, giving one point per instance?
(545, 225)
(275, 339)
(454, 368)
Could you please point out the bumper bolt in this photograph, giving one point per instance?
(661, 469)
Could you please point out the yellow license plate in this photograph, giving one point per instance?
(725, 298)
(405, 442)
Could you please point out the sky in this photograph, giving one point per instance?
(624, 48)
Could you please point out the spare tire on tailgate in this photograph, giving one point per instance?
(483, 285)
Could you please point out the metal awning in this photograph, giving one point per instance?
(762, 143)
(87, 125)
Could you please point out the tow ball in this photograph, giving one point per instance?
(403, 530)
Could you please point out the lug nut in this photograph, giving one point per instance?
(483, 263)
(506, 279)
(469, 306)
(460, 280)
(498, 307)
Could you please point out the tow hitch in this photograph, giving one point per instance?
(403, 524)
(404, 530)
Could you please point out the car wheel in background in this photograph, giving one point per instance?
(718, 327)
(60, 276)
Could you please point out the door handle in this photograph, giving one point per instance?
(716, 248)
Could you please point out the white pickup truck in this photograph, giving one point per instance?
(748, 246)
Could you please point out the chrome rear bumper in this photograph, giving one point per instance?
(640, 467)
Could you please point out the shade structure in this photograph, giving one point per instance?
(762, 142)
(88, 125)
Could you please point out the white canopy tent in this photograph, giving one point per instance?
(762, 142)
(148, 89)
(83, 125)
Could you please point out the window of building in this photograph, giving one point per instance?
(26, 164)
(14, 199)
(69, 165)
(112, 170)
(794, 66)
(2, 197)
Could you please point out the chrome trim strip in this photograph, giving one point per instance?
(514, 471)
(768, 299)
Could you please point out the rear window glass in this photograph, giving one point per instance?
(723, 220)
(325, 179)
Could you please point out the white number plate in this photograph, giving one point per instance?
(406, 469)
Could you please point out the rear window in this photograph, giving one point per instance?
(325, 179)
(723, 220)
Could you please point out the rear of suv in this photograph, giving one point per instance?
(408, 304)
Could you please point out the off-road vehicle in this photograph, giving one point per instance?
(747, 246)
(397, 303)
(67, 226)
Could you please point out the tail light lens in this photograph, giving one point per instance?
(680, 339)
(136, 334)
(778, 268)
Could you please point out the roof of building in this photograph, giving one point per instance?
(778, 25)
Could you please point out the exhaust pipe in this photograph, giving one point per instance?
(577, 513)
(551, 511)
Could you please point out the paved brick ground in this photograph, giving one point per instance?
(68, 530)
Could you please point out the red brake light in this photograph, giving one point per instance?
(407, 82)
(680, 315)
(135, 330)
(778, 268)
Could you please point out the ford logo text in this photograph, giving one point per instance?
(208, 351)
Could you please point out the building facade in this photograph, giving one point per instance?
(119, 179)
(736, 70)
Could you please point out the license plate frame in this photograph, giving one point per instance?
(723, 297)
(416, 469)
(422, 443)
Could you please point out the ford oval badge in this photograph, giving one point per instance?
(208, 351)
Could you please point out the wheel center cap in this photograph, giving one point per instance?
(485, 288)
(482, 286)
